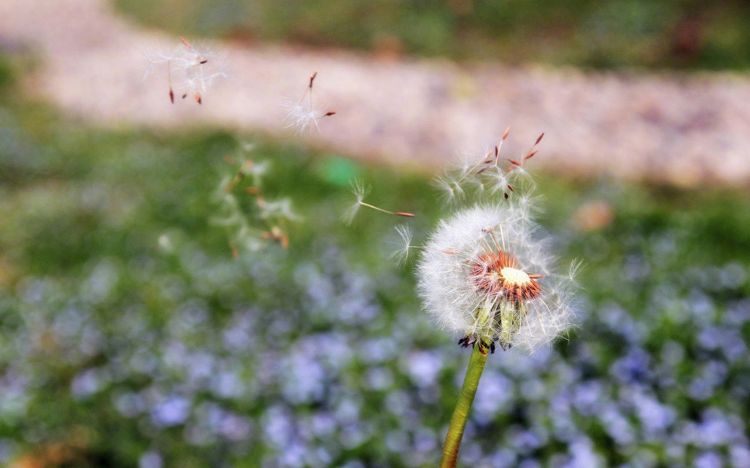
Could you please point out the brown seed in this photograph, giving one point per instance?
(505, 134)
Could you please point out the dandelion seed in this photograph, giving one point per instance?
(360, 191)
(190, 70)
(490, 176)
(451, 185)
(518, 175)
(575, 268)
(506, 133)
(405, 237)
(517, 169)
(444, 184)
(302, 115)
(498, 182)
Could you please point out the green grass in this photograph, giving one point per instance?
(85, 286)
(599, 34)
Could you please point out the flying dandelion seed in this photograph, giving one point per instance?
(488, 176)
(450, 187)
(190, 70)
(405, 236)
(360, 191)
(517, 167)
(499, 182)
(301, 115)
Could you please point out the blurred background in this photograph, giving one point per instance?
(137, 330)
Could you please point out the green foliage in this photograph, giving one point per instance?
(601, 34)
(120, 347)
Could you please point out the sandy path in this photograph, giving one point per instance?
(684, 130)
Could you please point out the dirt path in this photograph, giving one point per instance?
(685, 130)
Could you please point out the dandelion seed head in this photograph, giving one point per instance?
(483, 275)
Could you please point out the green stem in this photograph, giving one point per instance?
(463, 406)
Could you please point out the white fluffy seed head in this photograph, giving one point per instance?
(451, 293)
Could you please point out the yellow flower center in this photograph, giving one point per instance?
(515, 277)
(497, 273)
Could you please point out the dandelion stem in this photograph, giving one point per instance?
(463, 406)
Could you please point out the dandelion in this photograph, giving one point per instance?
(360, 191)
(190, 70)
(485, 276)
(302, 115)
